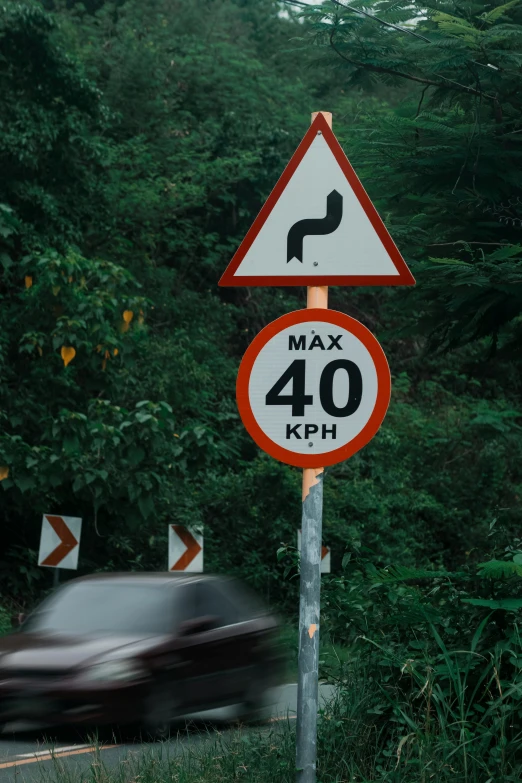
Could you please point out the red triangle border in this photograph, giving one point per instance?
(404, 277)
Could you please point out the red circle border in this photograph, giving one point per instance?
(372, 425)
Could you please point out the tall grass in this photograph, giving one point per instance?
(454, 717)
(260, 756)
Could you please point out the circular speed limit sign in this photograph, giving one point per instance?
(313, 388)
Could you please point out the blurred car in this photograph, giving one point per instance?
(140, 649)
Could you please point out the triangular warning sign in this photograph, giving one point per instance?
(318, 226)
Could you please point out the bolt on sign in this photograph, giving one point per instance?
(185, 549)
(326, 566)
(60, 541)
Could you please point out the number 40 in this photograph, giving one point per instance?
(296, 373)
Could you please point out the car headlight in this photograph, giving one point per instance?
(114, 671)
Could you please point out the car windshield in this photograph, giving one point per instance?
(97, 608)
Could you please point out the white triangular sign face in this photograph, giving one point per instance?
(318, 226)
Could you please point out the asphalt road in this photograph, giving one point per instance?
(28, 755)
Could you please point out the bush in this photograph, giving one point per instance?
(452, 716)
(431, 688)
(5, 620)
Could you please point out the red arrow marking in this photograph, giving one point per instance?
(67, 542)
(193, 548)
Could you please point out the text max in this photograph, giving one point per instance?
(299, 343)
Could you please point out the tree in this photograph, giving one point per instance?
(114, 223)
(445, 163)
(162, 131)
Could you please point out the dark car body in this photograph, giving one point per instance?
(139, 649)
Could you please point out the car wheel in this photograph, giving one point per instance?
(159, 711)
(255, 707)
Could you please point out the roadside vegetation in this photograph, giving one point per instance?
(446, 717)
(5, 621)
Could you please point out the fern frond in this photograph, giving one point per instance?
(499, 569)
(509, 604)
(491, 16)
(393, 574)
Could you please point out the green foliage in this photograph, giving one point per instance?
(443, 162)
(162, 129)
(5, 621)
(500, 569)
(434, 672)
(137, 143)
(51, 124)
(132, 171)
(454, 715)
(475, 298)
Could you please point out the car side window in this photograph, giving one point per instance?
(185, 603)
(212, 600)
(247, 602)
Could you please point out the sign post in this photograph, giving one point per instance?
(309, 612)
(314, 386)
(310, 592)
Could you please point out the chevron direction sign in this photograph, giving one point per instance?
(60, 541)
(185, 550)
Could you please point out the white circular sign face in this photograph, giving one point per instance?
(313, 388)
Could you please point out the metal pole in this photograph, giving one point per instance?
(309, 603)
(56, 577)
(310, 595)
